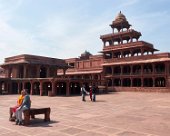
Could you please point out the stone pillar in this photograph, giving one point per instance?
(142, 82)
(121, 40)
(121, 69)
(9, 72)
(142, 69)
(23, 85)
(41, 88)
(67, 88)
(121, 79)
(153, 79)
(153, 68)
(166, 68)
(104, 44)
(131, 39)
(53, 88)
(19, 87)
(121, 54)
(112, 69)
(131, 70)
(25, 71)
(142, 51)
(64, 72)
(32, 88)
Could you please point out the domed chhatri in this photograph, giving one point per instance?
(120, 17)
(85, 55)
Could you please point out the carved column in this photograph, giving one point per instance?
(67, 88)
(142, 82)
(153, 67)
(153, 79)
(142, 69)
(32, 87)
(25, 71)
(131, 70)
(23, 85)
(64, 71)
(41, 88)
(19, 87)
(53, 87)
(121, 69)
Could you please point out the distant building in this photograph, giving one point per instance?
(125, 64)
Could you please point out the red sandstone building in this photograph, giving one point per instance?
(125, 64)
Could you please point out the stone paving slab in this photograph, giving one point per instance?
(114, 114)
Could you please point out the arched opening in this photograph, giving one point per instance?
(137, 52)
(116, 43)
(14, 88)
(137, 69)
(126, 82)
(61, 88)
(126, 54)
(36, 88)
(117, 70)
(117, 55)
(109, 82)
(95, 77)
(117, 82)
(160, 82)
(47, 86)
(108, 70)
(86, 77)
(2, 89)
(137, 82)
(43, 72)
(75, 88)
(126, 70)
(33, 72)
(108, 55)
(21, 72)
(148, 82)
(160, 68)
(28, 87)
(147, 69)
(107, 43)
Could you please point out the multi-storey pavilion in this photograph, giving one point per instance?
(130, 63)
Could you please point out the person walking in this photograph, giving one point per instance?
(83, 92)
(93, 93)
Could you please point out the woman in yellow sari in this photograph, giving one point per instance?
(19, 102)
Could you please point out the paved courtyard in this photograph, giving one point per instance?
(115, 114)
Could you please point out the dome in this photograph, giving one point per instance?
(86, 53)
(120, 17)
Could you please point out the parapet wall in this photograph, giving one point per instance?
(139, 89)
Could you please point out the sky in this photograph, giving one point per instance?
(66, 28)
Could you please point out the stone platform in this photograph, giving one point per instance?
(115, 114)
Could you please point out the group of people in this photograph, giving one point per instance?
(23, 103)
(91, 92)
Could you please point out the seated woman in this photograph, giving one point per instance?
(19, 102)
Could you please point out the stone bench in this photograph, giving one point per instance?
(31, 113)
